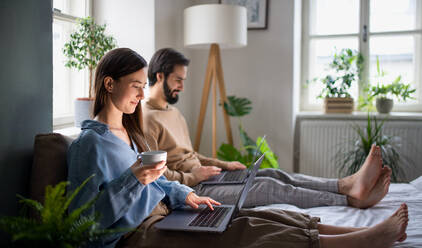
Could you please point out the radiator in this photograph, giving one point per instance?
(319, 140)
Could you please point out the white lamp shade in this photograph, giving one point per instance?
(222, 24)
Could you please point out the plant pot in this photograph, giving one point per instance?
(338, 105)
(384, 105)
(83, 110)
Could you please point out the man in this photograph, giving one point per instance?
(166, 74)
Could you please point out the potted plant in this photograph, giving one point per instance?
(350, 156)
(383, 93)
(238, 107)
(53, 226)
(343, 70)
(86, 47)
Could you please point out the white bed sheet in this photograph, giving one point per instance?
(410, 193)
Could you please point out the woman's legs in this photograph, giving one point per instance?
(379, 236)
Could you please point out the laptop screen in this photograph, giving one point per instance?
(248, 184)
(258, 149)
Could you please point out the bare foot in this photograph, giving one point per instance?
(377, 193)
(392, 229)
(360, 184)
(381, 235)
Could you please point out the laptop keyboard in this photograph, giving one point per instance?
(234, 176)
(209, 218)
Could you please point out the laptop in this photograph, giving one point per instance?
(203, 219)
(232, 177)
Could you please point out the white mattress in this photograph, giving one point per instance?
(410, 193)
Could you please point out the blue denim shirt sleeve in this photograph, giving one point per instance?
(123, 201)
(175, 191)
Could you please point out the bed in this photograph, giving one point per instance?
(50, 156)
(410, 193)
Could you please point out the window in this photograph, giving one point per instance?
(68, 84)
(388, 29)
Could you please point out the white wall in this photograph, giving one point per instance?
(130, 22)
(262, 72)
(169, 33)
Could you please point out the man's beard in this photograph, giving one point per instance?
(168, 93)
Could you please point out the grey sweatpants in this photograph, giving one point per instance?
(272, 186)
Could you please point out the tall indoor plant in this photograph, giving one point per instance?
(83, 51)
(344, 69)
(238, 107)
(350, 157)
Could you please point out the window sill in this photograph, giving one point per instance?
(72, 132)
(356, 115)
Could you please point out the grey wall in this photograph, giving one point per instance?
(262, 71)
(26, 84)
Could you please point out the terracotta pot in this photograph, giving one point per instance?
(338, 105)
(384, 105)
(83, 110)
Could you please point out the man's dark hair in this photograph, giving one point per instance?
(164, 61)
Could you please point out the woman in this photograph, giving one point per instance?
(108, 147)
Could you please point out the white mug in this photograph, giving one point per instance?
(153, 157)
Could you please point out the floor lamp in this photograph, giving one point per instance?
(214, 26)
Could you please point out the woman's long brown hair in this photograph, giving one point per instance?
(117, 63)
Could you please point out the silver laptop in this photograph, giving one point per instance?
(205, 220)
(233, 177)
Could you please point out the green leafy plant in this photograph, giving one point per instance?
(350, 157)
(54, 227)
(87, 46)
(238, 107)
(397, 89)
(344, 69)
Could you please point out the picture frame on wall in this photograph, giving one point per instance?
(257, 11)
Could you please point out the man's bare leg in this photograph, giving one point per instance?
(376, 194)
(381, 235)
(360, 184)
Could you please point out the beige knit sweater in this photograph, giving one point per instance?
(169, 132)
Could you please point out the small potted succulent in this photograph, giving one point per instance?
(344, 69)
(383, 93)
(84, 50)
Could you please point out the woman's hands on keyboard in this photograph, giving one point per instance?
(194, 201)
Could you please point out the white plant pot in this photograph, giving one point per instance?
(83, 110)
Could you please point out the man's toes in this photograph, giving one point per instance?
(402, 238)
(387, 169)
(372, 152)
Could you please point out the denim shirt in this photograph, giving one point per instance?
(124, 202)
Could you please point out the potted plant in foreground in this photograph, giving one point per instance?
(84, 50)
(383, 93)
(344, 69)
(54, 226)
